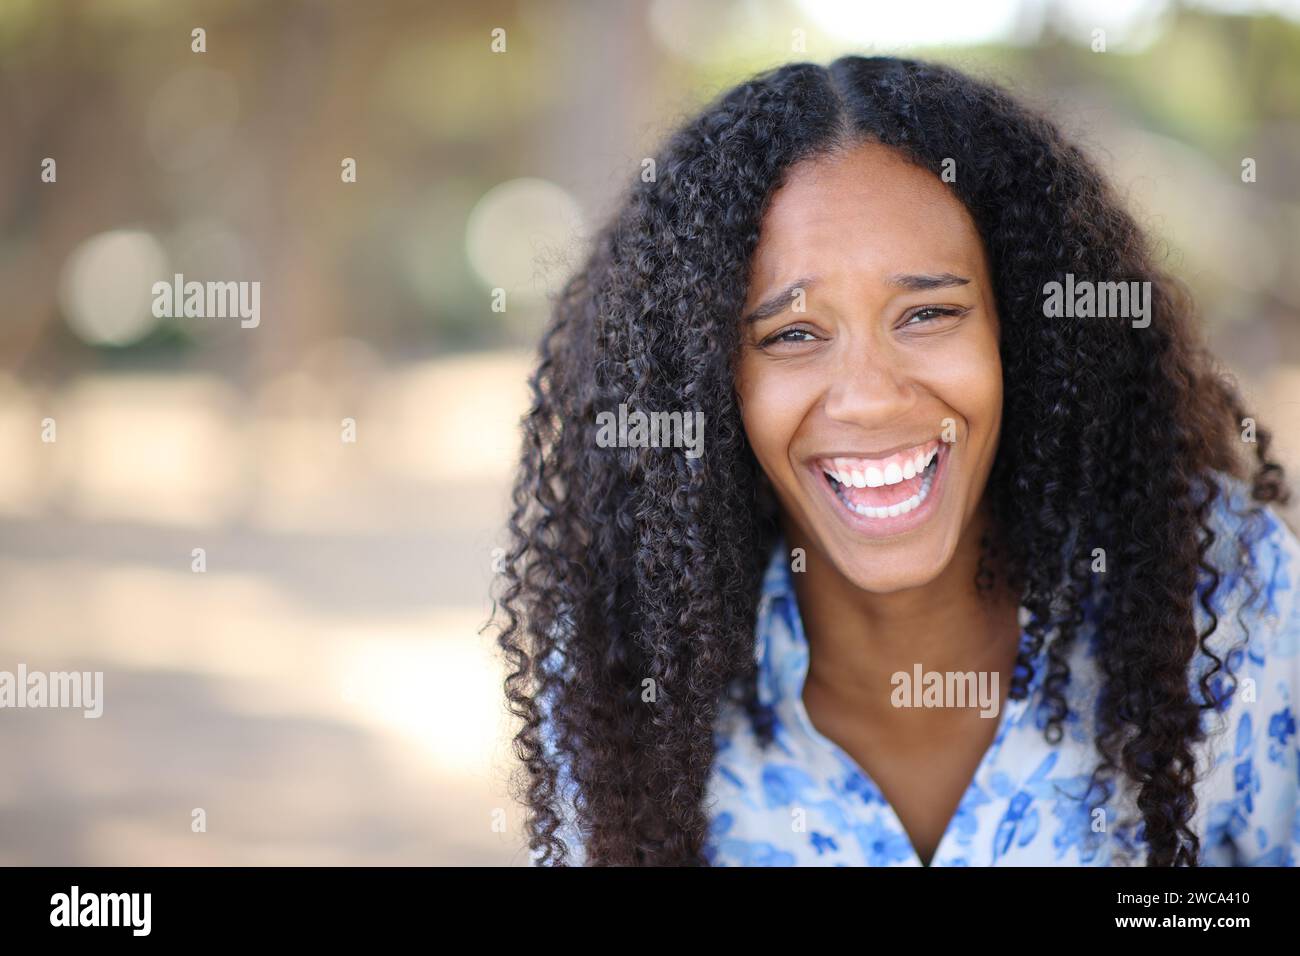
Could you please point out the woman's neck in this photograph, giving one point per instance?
(859, 640)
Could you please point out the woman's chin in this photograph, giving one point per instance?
(889, 577)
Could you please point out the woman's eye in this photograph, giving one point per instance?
(922, 316)
(789, 335)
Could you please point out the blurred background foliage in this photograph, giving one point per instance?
(322, 690)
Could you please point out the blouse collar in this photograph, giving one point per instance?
(781, 647)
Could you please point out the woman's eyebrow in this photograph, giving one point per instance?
(778, 302)
(925, 282)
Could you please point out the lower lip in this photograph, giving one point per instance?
(899, 524)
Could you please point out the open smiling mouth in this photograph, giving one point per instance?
(890, 492)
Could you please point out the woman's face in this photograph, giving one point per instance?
(870, 381)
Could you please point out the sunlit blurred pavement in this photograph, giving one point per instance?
(321, 690)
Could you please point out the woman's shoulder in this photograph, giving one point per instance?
(1251, 574)
(1250, 790)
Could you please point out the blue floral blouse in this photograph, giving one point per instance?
(803, 801)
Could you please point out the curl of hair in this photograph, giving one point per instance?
(635, 564)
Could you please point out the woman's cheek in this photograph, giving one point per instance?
(771, 411)
(972, 388)
(971, 381)
(766, 427)
(986, 383)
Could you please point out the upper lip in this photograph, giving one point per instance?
(882, 453)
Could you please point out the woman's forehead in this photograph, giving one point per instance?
(866, 210)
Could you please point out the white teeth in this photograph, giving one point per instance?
(894, 510)
(840, 470)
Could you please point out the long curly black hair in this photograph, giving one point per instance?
(635, 564)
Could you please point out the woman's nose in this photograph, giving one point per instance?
(869, 388)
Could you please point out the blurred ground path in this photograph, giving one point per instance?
(321, 690)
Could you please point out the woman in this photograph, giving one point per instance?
(962, 574)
